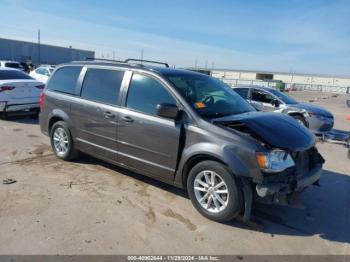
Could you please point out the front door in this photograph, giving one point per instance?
(147, 142)
(262, 100)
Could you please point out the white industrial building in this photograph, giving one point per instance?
(323, 83)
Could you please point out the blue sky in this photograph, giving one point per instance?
(295, 35)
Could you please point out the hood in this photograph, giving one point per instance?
(277, 130)
(313, 108)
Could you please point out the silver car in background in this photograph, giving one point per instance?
(316, 118)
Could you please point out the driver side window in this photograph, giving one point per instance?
(145, 93)
(261, 96)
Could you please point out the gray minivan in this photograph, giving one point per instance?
(183, 128)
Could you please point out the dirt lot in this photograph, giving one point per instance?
(90, 207)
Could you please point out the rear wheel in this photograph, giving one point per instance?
(214, 192)
(62, 142)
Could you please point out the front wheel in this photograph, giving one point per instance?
(300, 120)
(214, 192)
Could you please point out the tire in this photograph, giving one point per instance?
(233, 198)
(3, 116)
(301, 120)
(61, 130)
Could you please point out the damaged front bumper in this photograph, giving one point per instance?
(284, 193)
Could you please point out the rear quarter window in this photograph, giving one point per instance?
(65, 79)
(243, 92)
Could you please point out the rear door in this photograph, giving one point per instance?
(95, 114)
(147, 142)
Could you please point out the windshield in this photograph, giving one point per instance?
(285, 98)
(210, 97)
(13, 65)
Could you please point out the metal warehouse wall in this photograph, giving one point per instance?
(27, 51)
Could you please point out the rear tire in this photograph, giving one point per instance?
(61, 141)
(218, 203)
(3, 116)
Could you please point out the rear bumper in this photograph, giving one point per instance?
(43, 124)
(281, 193)
(5, 107)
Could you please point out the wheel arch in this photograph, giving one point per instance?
(292, 114)
(222, 154)
(194, 160)
(58, 115)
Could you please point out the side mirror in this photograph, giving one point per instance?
(167, 110)
(275, 103)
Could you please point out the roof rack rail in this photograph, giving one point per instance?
(102, 59)
(146, 61)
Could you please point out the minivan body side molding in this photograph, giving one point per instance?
(120, 153)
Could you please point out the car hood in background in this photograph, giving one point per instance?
(278, 130)
(314, 109)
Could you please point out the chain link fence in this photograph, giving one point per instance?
(289, 86)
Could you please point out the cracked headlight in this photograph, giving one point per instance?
(274, 161)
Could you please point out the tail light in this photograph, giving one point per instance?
(42, 100)
(40, 86)
(6, 88)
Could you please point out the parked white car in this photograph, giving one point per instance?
(42, 73)
(18, 91)
(11, 64)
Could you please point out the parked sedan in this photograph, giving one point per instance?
(11, 64)
(42, 73)
(18, 91)
(316, 118)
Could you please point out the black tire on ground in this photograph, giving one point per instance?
(235, 201)
(3, 116)
(71, 152)
(300, 119)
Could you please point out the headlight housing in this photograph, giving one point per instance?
(274, 161)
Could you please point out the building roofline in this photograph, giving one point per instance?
(43, 44)
(271, 72)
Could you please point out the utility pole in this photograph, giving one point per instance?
(141, 55)
(39, 58)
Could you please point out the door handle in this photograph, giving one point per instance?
(127, 119)
(108, 114)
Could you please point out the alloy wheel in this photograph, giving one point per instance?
(60, 141)
(211, 191)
